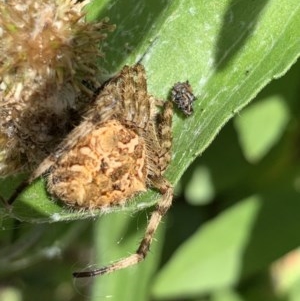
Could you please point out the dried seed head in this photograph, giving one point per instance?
(48, 40)
(47, 52)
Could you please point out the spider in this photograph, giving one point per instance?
(183, 96)
(121, 148)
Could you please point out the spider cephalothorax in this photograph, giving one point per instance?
(121, 147)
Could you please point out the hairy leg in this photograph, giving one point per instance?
(161, 208)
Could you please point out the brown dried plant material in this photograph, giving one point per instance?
(122, 147)
(47, 52)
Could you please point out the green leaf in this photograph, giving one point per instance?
(210, 259)
(226, 295)
(239, 242)
(294, 293)
(260, 126)
(35, 205)
(228, 51)
(199, 189)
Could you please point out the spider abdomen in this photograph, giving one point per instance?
(107, 166)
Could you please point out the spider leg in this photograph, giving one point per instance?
(161, 208)
(127, 88)
(143, 101)
(165, 135)
(136, 101)
(17, 191)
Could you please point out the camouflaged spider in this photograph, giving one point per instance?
(121, 148)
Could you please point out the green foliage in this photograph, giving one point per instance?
(246, 214)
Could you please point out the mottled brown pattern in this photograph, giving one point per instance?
(94, 168)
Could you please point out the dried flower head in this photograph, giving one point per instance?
(47, 52)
